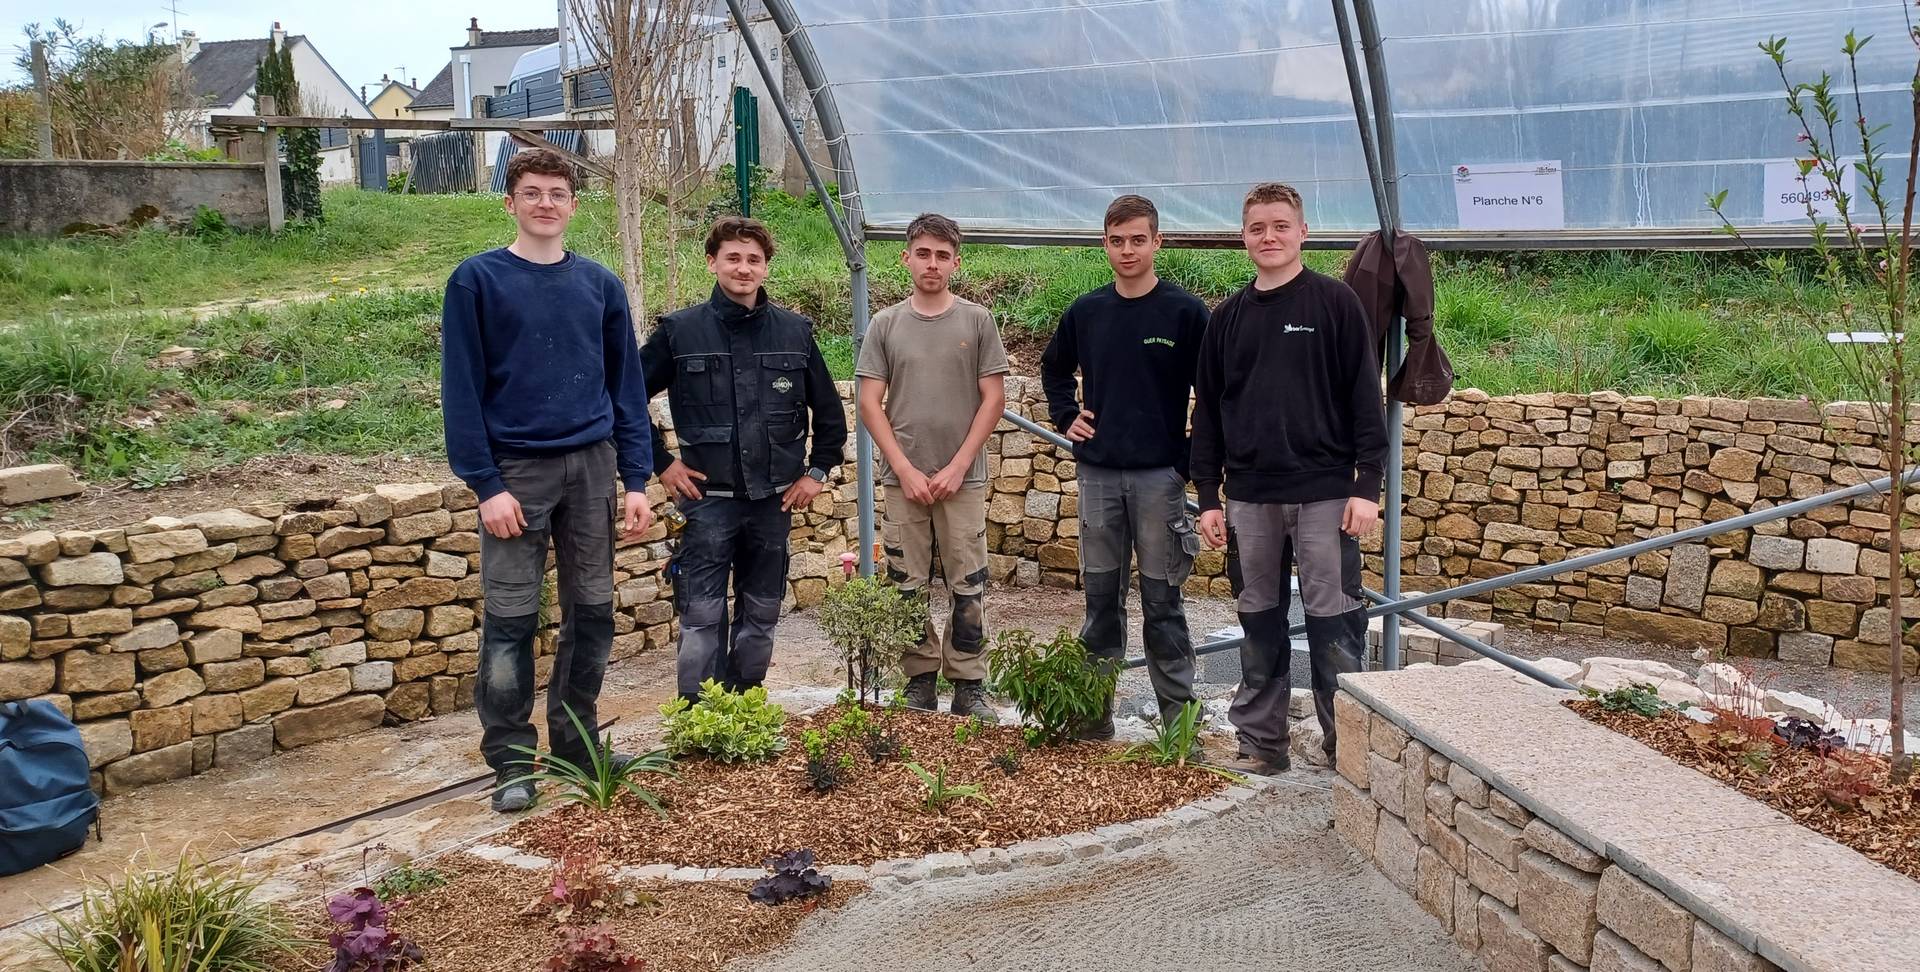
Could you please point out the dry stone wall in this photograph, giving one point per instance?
(1496, 484)
(215, 638)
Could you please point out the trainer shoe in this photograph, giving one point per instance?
(513, 797)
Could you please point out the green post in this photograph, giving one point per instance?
(746, 148)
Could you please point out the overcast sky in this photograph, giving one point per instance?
(362, 39)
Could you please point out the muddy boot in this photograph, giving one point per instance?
(922, 693)
(513, 792)
(970, 700)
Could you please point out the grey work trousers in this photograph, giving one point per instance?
(1129, 515)
(1263, 539)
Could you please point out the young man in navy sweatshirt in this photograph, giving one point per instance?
(1287, 411)
(541, 393)
(1134, 343)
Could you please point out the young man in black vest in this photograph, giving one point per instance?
(1287, 412)
(744, 380)
(1134, 343)
(541, 394)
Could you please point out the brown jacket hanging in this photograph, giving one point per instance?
(1401, 284)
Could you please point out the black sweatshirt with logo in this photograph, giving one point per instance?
(1287, 405)
(1135, 356)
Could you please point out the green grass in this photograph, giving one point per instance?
(82, 319)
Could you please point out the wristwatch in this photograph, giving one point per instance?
(817, 474)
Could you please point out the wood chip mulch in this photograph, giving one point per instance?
(721, 815)
(481, 922)
(1848, 796)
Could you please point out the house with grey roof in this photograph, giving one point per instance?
(222, 78)
(481, 66)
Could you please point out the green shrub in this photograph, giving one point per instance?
(408, 880)
(873, 624)
(732, 727)
(1055, 684)
(940, 792)
(1640, 698)
(188, 919)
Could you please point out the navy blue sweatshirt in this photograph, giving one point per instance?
(1136, 357)
(539, 359)
(1286, 402)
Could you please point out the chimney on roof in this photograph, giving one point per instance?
(473, 32)
(413, 83)
(279, 36)
(363, 93)
(189, 45)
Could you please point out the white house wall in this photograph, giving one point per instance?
(322, 92)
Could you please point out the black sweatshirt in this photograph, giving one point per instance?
(1287, 397)
(1136, 358)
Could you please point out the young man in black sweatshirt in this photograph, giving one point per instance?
(1287, 411)
(541, 394)
(1134, 343)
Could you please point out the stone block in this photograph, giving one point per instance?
(410, 701)
(31, 484)
(1714, 952)
(1469, 788)
(160, 728)
(1388, 781)
(1433, 887)
(94, 569)
(172, 687)
(1665, 629)
(101, 706)
(222, 525)
(147, 548)
(144, 769)
(399, 624)
(106, 741)
(1447, 841)
(1686, 582)
(26, 679)
(1506, 809)
(413, 593)
(268, 698)
(1466, 915)
(1545, 839)
(1355, 815)
(374, 676)
(217, 713)
(84, 671)
(444, 695)
(323, 686)
(248, 569)
(1647, 919)
(98, 622)
(233, 676)
(1395, 852)
(1826, 555)
(1351, 742)
(301, 727)
(1557, 903)
(1439, 800)
(247, 744)
(1487, 875)
(1776, 553)
(1611, 953)
(154, 634)
(408, 498)
(1505, 943)
(448, 619)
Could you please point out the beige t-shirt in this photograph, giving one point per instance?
(932, 367)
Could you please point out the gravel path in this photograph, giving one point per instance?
(1269, 887)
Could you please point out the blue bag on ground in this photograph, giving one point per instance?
(46, 804)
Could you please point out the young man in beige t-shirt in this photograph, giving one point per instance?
(943, 356)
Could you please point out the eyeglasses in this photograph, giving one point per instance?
(532, 197)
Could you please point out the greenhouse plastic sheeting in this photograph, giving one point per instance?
(1521, 114)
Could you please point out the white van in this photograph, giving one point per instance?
(536, 68)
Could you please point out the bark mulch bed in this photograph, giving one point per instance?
(488, 918)
(721, 815)
(1847, 796)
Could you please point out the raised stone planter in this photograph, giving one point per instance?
(1584, 849)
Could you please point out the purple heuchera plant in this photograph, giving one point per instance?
(361, 940)
(793, 877)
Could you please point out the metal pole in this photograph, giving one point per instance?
(43, 100)
(1361, 111)
(844, 216)
(1514, 662)
(1638, 547)
(1387, 188)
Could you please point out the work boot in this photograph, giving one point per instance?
(1253, 764)
(1099, 727)
(922, 693)
(970, 700)
(514, 796)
